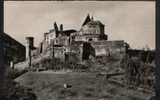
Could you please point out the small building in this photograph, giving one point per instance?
(14, 51)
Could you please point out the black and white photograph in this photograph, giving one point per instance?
(78, 50)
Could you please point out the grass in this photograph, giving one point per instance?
(85, 86)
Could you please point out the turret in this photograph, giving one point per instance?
(61, 27)
(56, 29)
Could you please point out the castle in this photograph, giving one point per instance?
(75, 46)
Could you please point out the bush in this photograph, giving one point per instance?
(14, 73)
(13, 91)
(63, 93)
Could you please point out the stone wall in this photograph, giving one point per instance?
(91, 29)
(87, 37)
(59, 52)
(45, 45)
(108, 48)
(34, 59)
(62, 40)
(71, 57)
(50, 36)
(77, 50)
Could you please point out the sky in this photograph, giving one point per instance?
(131, 21)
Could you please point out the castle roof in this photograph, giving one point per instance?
(88, 19)
(91, 21)
(68, 32)
(94, 23)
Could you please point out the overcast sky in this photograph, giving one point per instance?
(133, 22)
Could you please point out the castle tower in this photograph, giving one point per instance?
(61, 27)
(29, 46)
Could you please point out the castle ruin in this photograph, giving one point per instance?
(75, 46)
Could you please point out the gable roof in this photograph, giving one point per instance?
(88, 19)
(8, 39)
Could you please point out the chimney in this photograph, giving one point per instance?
(56, 29)
(55, 26)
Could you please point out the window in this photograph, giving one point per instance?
(90, 39)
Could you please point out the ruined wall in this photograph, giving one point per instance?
(76, 52)
(45, 46)
(62, 40)
(50, 36)
(34, 52)
(59, 52)
(34, 59)
(91, 29)
(86, 37)
(71, 57)
(101, 50)
(109, 48)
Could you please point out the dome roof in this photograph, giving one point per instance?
(94, 23)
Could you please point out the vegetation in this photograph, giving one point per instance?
(57, 64)
(13, 91)
(14, 73)
(85, 86)
(95, 84)
(139, 73)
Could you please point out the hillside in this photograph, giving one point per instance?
(85, 86)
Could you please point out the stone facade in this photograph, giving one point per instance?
(92, 30)
(62, 40)
(107, 48)
(59, 52)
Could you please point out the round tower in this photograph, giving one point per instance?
(29, 46)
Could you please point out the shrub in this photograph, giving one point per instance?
(13, 91)
(14, 73)
(67, 92)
